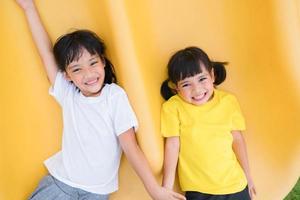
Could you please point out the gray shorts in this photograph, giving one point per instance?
(52, 189)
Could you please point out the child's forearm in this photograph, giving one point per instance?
(240, 150)
(170, 161)
(40, 37)
(138, 161)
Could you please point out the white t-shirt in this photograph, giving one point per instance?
(90, 154)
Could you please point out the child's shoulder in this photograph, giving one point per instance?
(174, 101)
(114, 89)
(225, 95)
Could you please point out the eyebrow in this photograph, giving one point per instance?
(93, 57)
(183, 82)
(73, 66)
(202, 75)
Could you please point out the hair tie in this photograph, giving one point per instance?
(171, 85)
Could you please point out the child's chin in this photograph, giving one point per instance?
(200, 102)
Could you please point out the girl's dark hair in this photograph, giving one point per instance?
(70, 46)
(186, 63)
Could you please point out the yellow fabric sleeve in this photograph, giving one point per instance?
(169, 120)
(238, 120)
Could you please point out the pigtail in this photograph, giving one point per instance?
(219, 72)
(166, 91)
(110, 76)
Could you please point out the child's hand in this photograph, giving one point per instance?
(251, 188)
(25, 4)
(166, 194)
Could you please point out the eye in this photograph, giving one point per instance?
(185, 85)
(202, 79)
(94, 63)
(76, 70)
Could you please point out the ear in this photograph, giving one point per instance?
(67, 76)
(176, 88)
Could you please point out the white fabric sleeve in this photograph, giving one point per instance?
(60, 88)
(123, 115)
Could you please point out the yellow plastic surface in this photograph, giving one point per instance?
(260, 40)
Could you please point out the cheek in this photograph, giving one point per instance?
(184, 93)
(76, 79)
(98, 70)
(209, 85)
(102, 70)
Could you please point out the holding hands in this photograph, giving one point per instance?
(167, 194)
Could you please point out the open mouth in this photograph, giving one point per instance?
(92, 82)
(199, 97)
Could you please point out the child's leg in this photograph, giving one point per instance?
(243, 195)
(197, 196)
(48, 190)
(83, 195)
(53, 189)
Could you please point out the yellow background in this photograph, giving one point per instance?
(260, 40)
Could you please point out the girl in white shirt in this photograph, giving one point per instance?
(97, 119)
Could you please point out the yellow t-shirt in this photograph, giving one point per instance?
(206, 162)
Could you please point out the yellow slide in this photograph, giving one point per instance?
(259, 39)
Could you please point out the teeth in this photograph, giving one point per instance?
(199, 97)
(91, 82)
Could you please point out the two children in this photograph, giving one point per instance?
(98, 120)
(202, 126)
(201, 123)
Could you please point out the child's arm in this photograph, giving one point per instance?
(240, 150)
(138, 161)
(170, 161)
(40, 38)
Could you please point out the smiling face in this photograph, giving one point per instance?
(197, 89)
(87, 73)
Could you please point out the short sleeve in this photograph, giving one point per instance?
(123, 115)
(170, 124)
(238, 120)
(60, 88)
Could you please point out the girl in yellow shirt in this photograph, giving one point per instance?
(202, 126)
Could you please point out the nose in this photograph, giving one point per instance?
(197, 89)
(88, 72)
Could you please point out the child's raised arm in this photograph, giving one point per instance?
(40, 37)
